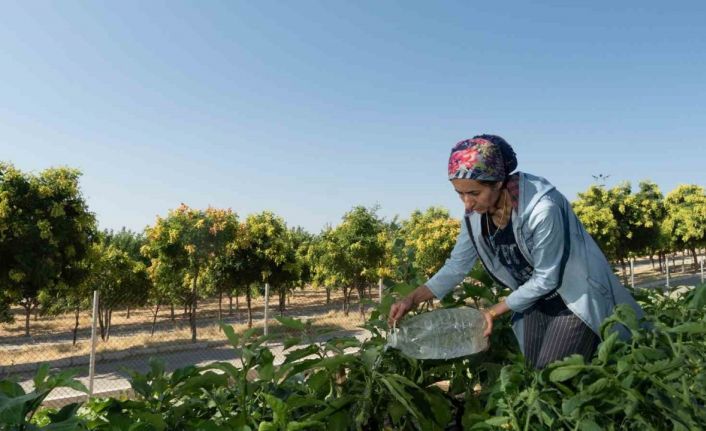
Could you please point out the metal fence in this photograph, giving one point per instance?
(103, 351)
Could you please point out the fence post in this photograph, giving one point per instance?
(267, 304)
(380, 288)
(667, 260)
(92, 361)
(632, 272)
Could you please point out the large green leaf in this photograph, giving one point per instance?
(566, 372)
(291, 323)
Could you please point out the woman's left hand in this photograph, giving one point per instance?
(488, 323)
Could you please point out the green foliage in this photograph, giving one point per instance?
(685, 223)
(17, 408)
(430, 236)
(45, 231)
(183, 245)
(654, 381)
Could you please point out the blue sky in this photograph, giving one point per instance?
(309, 108)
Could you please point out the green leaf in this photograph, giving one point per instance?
(13, 410)
(291, 323)
(698, 298)
(280, 410)
(598, 386)
(41, 375)
(564, 373)
(298, 354)
(11, 389)
(689, 328)
(289, 342)
(589, 425)
(498, 421)
(305, 425)
(233, 338)
(153, 419)
(606, 347)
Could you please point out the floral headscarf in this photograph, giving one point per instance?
(477, 159)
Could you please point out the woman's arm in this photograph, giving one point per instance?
(462, 258)
(548, 254)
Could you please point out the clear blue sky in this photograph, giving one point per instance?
(308, 108)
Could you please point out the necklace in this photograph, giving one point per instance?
(491, 237)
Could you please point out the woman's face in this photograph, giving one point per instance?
(477, 196)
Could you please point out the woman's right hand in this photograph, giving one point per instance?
(399, 309)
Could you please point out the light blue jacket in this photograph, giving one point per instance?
(562, 253)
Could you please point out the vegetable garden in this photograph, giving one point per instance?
(656, 381)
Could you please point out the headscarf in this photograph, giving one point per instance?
(484, 157)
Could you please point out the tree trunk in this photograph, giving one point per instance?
(172, 313)
(36, 314)
(345, 301)
(328, 295)
(361, 295)
(186, 307)
(192, 314)
(248, 300)
(220, 306)
(230, 303)
(696, 259)
(28, 312)
(659, 259)
(154, 319)
(78, 309)
(652, 261)
(101, 322)
(109, 320)
(282, 300)
(237, 302)
(625, 271)
(128, 312)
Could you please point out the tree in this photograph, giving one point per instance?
(120, 281)
(685, 222)
(430, 236)
(45, 232)
(615, 219)
(270, 254)
(188, 240)
(359, 240)
(648, 238)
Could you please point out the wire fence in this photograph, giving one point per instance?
(125, 338)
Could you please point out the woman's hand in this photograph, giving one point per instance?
(491, 313)
(399, 309)
(488, 323)
(402, 307)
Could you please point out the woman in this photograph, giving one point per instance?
(528, 238)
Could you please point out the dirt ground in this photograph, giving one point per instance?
(52, 338)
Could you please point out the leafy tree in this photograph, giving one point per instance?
(359, 240)
(621, 222)
(430, 235)
(45, 232)
(649, 239)
(685, 222)
(318, 261)
(188, 240)
(269, 254)
(120, 281)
